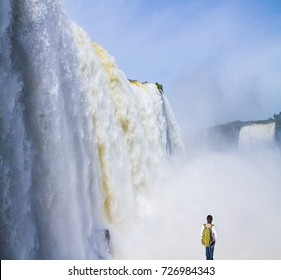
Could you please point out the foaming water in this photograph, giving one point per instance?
(240, 189)
(83, 150)
(76, 144)
(257, 134)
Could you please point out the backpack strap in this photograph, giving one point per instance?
(205, 226)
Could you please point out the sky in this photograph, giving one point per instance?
(218, 61)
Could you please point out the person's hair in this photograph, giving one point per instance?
(209, 219)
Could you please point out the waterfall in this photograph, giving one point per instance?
(257, 134)
(78, 140)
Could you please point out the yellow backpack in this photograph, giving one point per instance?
(207, 236)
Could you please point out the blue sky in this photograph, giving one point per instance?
(217, 60)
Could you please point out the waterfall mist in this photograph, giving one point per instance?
(78, 140)
(87, 155)
(241, 189)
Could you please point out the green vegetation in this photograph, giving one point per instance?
(133, 81)
(277, 119)
(136, 81)
(226, 136)
(160, 87)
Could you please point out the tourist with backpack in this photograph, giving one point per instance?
(208, 237)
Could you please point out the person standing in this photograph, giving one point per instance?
(208, 237)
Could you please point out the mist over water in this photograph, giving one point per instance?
(225, 59)
(84, 150)
(240, 188)
(78, 140)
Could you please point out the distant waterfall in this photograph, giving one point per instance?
(257, 134)
(78, 141)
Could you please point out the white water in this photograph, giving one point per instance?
(79, 145)
(242, 192)
(257, 134)
(79, 142)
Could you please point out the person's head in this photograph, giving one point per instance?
(209, 219)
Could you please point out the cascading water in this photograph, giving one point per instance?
(257, 134)
(78, 141)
